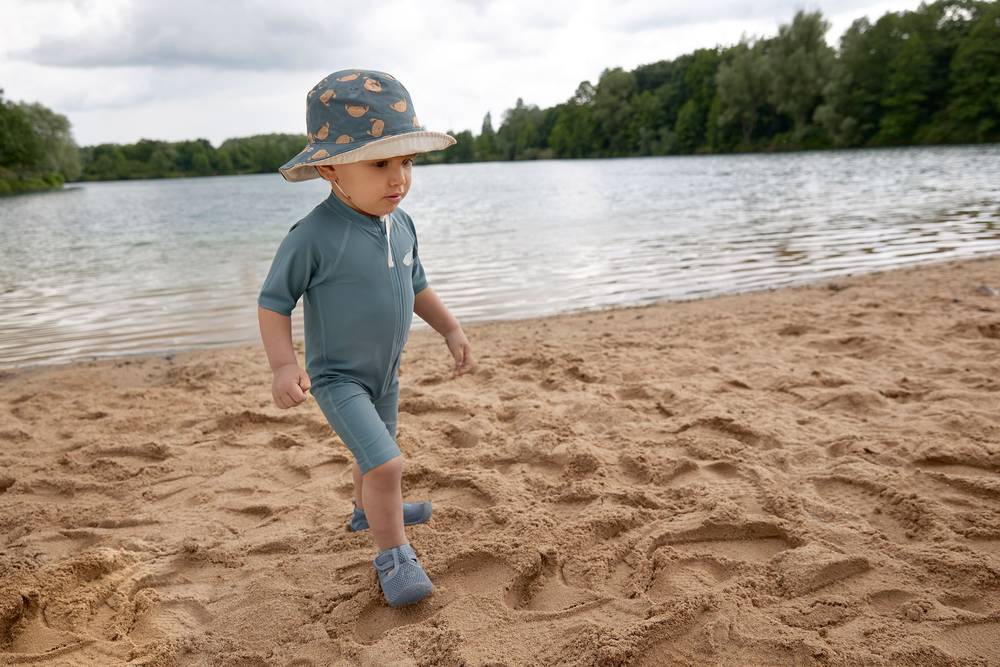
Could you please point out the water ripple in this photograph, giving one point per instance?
(110, 269)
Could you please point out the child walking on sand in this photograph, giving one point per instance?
(355, 262)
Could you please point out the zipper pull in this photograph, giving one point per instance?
(388, 232)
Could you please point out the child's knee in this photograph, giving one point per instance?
(388, 471)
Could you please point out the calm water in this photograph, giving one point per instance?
(150, 266)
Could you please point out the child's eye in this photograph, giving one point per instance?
(382, 163)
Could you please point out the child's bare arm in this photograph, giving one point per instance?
(290, 382)
(429, 307)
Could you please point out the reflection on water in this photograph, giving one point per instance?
(134, 267)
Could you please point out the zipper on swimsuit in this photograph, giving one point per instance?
(397, 289)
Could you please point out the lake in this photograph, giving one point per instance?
(136, 267)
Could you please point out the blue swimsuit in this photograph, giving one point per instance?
(358, 275)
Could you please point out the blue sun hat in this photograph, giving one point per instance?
(354, 115)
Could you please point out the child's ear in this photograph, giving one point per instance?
(327, 171)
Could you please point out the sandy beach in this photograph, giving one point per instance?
(801, 476)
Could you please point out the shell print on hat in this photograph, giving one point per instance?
(356, 110)
(355, 115)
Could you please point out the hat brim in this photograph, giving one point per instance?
(302, 168)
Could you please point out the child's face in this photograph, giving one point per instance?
(374, 187)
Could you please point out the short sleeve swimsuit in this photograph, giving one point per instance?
(358, 275)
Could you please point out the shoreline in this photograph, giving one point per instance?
(9, 371)
(798, 475)
(757, 151)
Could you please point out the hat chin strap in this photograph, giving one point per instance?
(337, 185)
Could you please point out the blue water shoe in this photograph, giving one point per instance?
(402, 579)
(412, 513)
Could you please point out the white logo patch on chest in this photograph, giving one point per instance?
(408, 259)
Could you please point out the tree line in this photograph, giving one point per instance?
(927, 76)
(147, 158)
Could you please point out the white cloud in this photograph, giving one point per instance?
(639, 15)
(250, 35)
(122, 70)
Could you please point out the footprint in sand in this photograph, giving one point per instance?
(673, 578)
(150, 451)
(63, 543)
(825, 612)
(524, 467)
(949, 466)
(634, 392)
(15, 435)
(419, 405)
(899, 521)
(753, 541)
(467, 435)
(972, 641)
(857, 402)
(730, 428)
(969, 477)
(545, 589)
(973, 603)
(667, 564)
(73, 593)
(446, 489)
(888, 601)
(244, 420)
(722, 479)
(160, 618)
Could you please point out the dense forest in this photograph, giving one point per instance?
(37, 151)
(928, 76)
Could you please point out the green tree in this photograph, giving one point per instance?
(648, 118)
(612, 111)
(20, 147)
(463, 151)
(852, 108)
(485, 143)
(742, 82)
(107, 163)
(573, 134)
(690, 127)
(161, 162)
(800, 62)
(698, 85)
(519, 136)
(907, 92)
(974, 104)
(59, 153)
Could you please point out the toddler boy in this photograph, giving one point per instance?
(354, 260)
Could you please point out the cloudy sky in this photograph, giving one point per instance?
(122, 70)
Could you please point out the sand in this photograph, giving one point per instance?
(793, 477)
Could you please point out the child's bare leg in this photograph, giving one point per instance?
(358, 486)
(383, 502)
